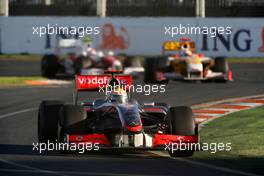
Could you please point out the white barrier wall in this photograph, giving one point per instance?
(136, 36)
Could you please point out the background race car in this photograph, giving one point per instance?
(116, 121)
(185, 65)
(75, 55)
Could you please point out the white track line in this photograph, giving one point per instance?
(216, 167)
(76, 173)
(57, 173)
(198, 120)
(220, 109)
(204, 105)
(244, 104)
(205, 114)
(223, 169)
(31, 168)
(17, 112)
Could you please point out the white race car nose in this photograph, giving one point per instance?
(195, 67)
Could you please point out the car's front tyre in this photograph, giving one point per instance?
(182, 123)
(49, 65)
(48, 118)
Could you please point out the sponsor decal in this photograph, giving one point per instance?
(261, 48)
(99, 81)
(240, 40)
(113, 40)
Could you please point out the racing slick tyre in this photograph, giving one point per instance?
(132, 62)
(182, 123)
(48, 117)
(49, 65)
(152, 65)
(78, 64)
(221, 65)
(71, 118)
(71, 122)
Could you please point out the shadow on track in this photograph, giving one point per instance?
(12, 149)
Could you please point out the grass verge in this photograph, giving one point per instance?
(245, 60)
(6, 81)
(21, 57)
(245, 131)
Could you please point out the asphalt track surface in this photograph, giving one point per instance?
(18, 130)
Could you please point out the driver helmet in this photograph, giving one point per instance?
(111, 53)
(185, 50)
(117, 65)
(100, 54)
(118, 95)
(91, 51)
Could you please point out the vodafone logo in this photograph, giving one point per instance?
(123, 81)
(90, 82)
(98, 80)
(93, 80)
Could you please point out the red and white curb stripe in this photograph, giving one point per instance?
(207, 112)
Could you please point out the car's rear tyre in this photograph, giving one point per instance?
(132, 62)
(72, 122)
(71, 114)
(221, 65)
(48, 117)
(151, 66)
(182, 123)
(78, 64)
(49, 65)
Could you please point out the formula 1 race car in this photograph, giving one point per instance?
(131, 66)
(116, 121)
(77, 56)
(186, 65)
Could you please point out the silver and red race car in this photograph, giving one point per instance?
(185, 65)
(77, 56)
(116, 121)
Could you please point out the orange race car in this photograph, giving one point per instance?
(185, 65)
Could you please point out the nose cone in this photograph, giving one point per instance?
(134, 128)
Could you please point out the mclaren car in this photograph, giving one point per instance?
(116, 121)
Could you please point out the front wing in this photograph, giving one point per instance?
(161, 76)
(137, 141)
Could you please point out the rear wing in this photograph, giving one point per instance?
(176, 46)
(98, 82)
(67, 43)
